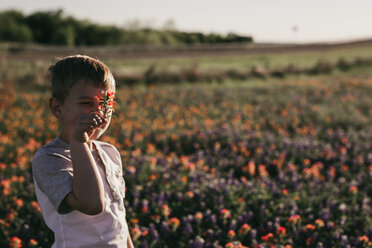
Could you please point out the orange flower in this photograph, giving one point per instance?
(136, 233)
(15, 242)
(310, 227)
(225, 213)
(174, 223)
(134, 221)
(152, 177)
(144, 209)
(144, 233)
(132, 169)
(19, 203)
(343, 150)
(294, 219)
(309, 240)
(190, 194)
(364, 239)
(281, 231)
(319, 223)
(231, 234)
(6, 187)
(155, 218)
(230, 245)
(262, 171)
(353, 189)
(198, 216)
(251, 168)
(245, 229)
(35, 206)
(33, 242)
(165, 211)
(267, 237)
(11, 216)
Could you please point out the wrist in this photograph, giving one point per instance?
(80, 138)
(79, 142)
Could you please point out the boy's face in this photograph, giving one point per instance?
(82, 99)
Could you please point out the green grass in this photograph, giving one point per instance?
(273, 60)
(32, 70)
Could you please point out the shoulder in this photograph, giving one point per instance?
(110, 150)
(107, 147)
(56, 152)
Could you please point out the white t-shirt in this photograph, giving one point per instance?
(52, 170)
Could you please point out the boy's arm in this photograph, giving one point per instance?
(129, 240)
(87, 194)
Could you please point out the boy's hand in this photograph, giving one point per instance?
(86, 125)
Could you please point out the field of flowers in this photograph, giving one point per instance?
(275, 163)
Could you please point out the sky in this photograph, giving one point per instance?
(297, 21)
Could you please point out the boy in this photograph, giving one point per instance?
(78, 180)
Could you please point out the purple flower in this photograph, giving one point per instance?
(153, 232)
(164, 229)
(342, 220)
(253, 234)
(145, 244)
(198, 242)
(188, 229)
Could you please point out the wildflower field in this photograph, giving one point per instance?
(259, 163)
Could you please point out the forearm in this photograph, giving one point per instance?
(87, 186)
(129, 240)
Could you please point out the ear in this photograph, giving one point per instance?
(55, 107)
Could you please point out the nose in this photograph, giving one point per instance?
(94, 107)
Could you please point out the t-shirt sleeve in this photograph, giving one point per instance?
(53, 174)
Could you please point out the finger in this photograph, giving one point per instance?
(97, 121)
(101, 119)
(89, 125)
(98, 117)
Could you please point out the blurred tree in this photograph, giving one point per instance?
(44, 25)
(64, 35)
(53, 27)
(169, 25)
(231, 37)
(13, 27)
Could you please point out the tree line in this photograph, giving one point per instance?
(55, 28)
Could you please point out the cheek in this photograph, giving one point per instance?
(75, 114)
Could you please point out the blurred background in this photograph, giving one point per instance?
(265, 21)
(199, 39)
(239, 123)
